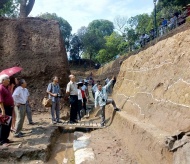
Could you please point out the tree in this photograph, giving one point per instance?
(104, 27)
(92, 42)
(92, 37)
(141, 23)
(26, 7)
(131, 37)
(167, 3)
(65, 27)
(113, 46)
(75, 47)
(3, 3)
(9, 8)
(120, 23)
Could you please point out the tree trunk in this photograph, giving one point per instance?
(23, 8)
(29, 6)
(26, 8)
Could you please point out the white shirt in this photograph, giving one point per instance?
(20, 95)
(80, 95)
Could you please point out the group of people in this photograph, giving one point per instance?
(14, 102)
(75, 91)
(176, 19)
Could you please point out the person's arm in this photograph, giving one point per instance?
(2, 108)
(96, 100)
(16, 96)
(50, 88)
(68, 89)
(108, 84)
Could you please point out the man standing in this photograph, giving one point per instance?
(6, 107)
(20, 97)
(102, 100)
(54, 92)
(73, 93)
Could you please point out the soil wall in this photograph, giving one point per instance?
(153, 92)
(37, 46)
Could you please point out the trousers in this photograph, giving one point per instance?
(102, 108)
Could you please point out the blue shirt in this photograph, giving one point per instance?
(55, 89)
(101, 96)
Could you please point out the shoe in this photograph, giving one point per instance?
(54, 122)
(117, 109)
(9, 141)
(5, 145)
(70, 122)
(22, 134)
(31, 123)
(76, 121)
(103, 125)
(13, 130)
(18, 135)
(59, 122)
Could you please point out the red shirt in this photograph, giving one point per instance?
(5, 96)
(83, 95)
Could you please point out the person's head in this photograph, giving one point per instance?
(12, 80)
(79, 85)
(99, 87)
(72, 78)
(98, 82)
(22, 83)
(4, 79)
(55, 79)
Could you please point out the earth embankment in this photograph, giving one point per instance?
(153, 92)
(37, 46)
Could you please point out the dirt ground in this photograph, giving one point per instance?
(109, 148)
(44, 141)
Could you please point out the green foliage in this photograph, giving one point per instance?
(65, 27)
(103, 27)
(141, 23)
(9, 8)
(113, 46)
(167, 3)
(75, 47)
(92, 37)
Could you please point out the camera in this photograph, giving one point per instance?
(103, 100)
(60, 96)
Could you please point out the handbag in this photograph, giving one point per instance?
(5, 119)
(46, 102)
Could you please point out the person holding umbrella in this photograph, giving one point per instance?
(6, 106)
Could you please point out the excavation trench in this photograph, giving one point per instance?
(62, 150)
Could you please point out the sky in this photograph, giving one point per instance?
(80, 13)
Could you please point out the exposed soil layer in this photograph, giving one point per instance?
(152, 90)
(37, 46)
